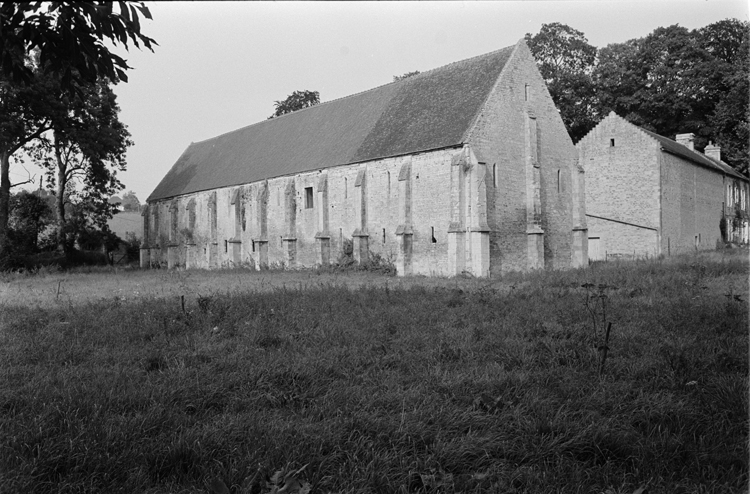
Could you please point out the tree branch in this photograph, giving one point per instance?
(29, 138)
(30, 180)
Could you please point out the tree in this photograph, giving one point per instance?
(29, 215)
(397, 78)
(675, 80)
(728, 42)
(566, 61)
(296, 101)
(25, 115)
(69, 37)
(616, 79)
(87, 144)
(130, 202)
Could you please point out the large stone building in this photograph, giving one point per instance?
(464, 168)
(648, 195)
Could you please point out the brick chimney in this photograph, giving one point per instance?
(713, 151)
(687, 140)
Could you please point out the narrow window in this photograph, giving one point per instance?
(432, 234)
(389, 183)
(191, 214)
(494, 174)
(558, 181)
(346, 189)
(612, 143)
(253, 245)
(173, 219)
(383, 235)
(527, 93)
(308, 197)
(226, 246)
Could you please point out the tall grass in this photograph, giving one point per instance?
(481, 386)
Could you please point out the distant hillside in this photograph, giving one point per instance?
(124, 222)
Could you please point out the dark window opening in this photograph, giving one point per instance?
(308, 197)
(558, 181)
(611, 143)
(226, 245)
(346, 190)
(253, 245)
(434, 240)
(494, 175)
(527, 93)
(383, 235)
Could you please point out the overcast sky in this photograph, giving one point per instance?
(220, 66)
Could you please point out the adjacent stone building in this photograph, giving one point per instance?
(466, 168)
(648, 195)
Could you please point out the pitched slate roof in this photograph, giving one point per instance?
(729, 170)
(431, 110)
(677, 149)
(674, 147)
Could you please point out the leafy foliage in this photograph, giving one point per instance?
(296, 101)
(130, 202)
(67, 40)
(29, 215)
(397, 78)
(70, 38)
(25, 115)
(87, 145)
(672, 81)
(566, 61)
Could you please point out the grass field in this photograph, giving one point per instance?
(182, 381)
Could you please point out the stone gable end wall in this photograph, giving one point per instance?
(622, 188)
(499, 138)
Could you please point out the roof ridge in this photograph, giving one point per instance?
(697, 154)
(420, 75)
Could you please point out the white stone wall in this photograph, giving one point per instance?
(240, 243)
(691, 206)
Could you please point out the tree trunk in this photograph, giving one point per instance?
(62, 234)
(4, 201)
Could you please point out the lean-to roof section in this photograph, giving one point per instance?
(431, 110)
